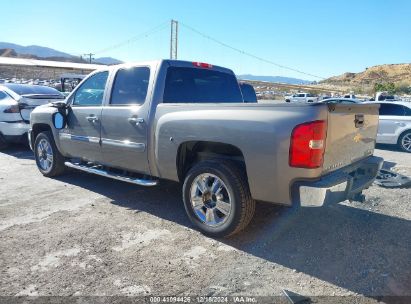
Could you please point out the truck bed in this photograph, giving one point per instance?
(262, 132)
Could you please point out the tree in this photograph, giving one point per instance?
(389, 87)
(403, 88)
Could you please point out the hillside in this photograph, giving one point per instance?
(399, 74)
(12, 53)
(279, 79)
(44, 53)
(39, 51)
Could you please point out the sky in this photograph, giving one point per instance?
(318, 37)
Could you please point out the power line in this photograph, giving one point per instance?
(145, 34)
(248, 54)
(90, 56)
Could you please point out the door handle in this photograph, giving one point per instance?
(92, 118)
(136, 120)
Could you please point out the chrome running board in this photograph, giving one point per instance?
(101, 172)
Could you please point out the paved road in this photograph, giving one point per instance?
(86, 235)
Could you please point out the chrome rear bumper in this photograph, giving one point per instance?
(345, 183)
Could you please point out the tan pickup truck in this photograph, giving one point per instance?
(189, 122)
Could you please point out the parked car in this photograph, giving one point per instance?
(302, 97)
(350, 96)
(16, 103)
(187, 122)
(385, 96)
(394, 124)
(69, 81)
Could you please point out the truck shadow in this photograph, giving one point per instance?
(388, 165)
(362, 251)
(393, 148)
(359, 250)
(19, 151)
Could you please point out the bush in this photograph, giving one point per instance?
(389, 87)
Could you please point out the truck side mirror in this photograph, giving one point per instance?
(59, 120)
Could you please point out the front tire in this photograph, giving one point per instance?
(49, 160)
(217, 198)
(404, 142)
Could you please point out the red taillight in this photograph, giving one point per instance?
(308, 144)
(12, 109)
(202, 65)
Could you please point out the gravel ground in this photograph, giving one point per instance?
(87, 235)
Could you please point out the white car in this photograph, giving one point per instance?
(302, 97)
(350, 96)
(395, 124)
(16, 103)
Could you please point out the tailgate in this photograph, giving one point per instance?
(351, 134)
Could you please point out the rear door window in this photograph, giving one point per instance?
(130, 86)
(193, 85)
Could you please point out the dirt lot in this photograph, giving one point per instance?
(87, 235)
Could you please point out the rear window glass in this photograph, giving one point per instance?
(3, 95)
(391, 109)
(33, 90)
(192, 85)
(248, 92)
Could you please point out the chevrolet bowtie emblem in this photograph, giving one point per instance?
(357, 137)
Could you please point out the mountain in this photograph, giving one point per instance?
(399, 74)
(41, 52)
(107, 60)
(280, 79)
(12, 53)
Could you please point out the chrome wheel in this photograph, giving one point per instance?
(210, 199)
(44, 155)
(406, 142)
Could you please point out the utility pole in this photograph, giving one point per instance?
(174, 39)
(90, 56)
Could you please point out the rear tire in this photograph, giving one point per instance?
(49, 160)
(287, 100)
(224, 207)
(404, 142)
